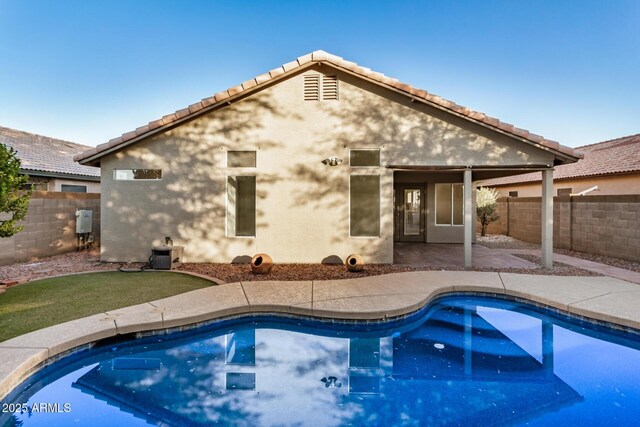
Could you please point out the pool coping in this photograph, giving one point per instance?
(603, 299)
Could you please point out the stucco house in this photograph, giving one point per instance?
(612, 166)
(49, 162)
(315, 159)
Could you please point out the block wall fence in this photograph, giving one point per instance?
(50, 226)
(601, 225)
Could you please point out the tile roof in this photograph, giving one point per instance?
(615, 156)
(307, 60)
(43, 154)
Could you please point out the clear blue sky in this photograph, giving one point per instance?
(88, 71)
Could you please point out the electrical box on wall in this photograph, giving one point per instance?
(84, 221)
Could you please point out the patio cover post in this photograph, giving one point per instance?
(547, 218)
(468, 218)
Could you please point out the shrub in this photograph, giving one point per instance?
(486, 207)
(13, 201)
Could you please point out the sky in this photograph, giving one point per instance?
(88, 71)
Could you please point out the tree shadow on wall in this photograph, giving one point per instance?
(190, 203)
(405, 134)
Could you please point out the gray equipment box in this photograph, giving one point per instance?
(84, 221)
(166, 257)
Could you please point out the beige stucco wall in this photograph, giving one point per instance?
(302, 205)
(609, 185)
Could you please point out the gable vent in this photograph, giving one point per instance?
(330, 88)
(312, 87)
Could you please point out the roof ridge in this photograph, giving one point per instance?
(44, 136)
(307, 60)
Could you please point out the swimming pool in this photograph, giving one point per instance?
(463, 360)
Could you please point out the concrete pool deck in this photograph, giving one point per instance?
(604, 299)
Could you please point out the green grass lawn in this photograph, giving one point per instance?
(47, 302)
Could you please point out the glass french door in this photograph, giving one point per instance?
(409, 214)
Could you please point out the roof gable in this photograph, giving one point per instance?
(92, 156)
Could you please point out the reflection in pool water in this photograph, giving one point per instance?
(462, 361)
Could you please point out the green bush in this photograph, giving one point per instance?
(14, 200)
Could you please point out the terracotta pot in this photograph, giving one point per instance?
(261, 264)
(354, 262)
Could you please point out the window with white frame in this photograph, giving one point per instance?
(364, 205)
(241, 206)
(449, 204)
(364, 157)
(137, 174)
(241, 159)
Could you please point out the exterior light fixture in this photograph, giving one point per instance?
(332, 161)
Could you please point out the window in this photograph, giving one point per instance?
(513, 194)
(449, 204)
(564, 191)
(137, 174)
(364, 209)
(241, 206)
(73, 188)
(364, 157)
(241, 159)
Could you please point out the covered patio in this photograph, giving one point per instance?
(422, 238)
(452, 255)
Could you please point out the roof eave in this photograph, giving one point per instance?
(48, 174)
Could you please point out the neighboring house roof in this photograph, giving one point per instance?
(257, 83)
(615, 156)
(45, 156)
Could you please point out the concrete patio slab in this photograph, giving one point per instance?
(66, 336)
(17, 364)
(130, 319)
(370, 307)
(466, 281)
(387, 284)
(615, 307)
(202, 305)
(452, 255)
(265, 295)
(562, 291)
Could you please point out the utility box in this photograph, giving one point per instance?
(166, 257)
(84, 221)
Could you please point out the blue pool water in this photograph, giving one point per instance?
(460, 361)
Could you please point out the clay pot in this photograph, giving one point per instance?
(354, 262)
(261, 264)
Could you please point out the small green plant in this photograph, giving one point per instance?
(486, 206)
(14, 200)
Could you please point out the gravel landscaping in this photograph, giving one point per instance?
(499, 241)
(71, 262)
(559, 269)
(285, 272)
(614, 262)
(77, 262)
